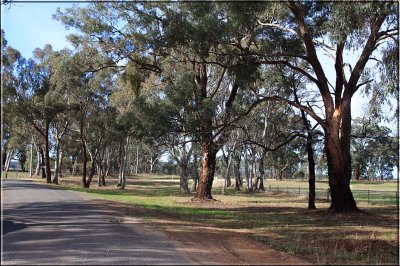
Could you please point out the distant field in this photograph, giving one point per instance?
(279, 220)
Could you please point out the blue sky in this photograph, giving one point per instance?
(30, 25)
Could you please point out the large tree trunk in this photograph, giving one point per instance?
(339, 183)
(208, 162)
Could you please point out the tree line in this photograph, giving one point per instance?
(241, 86)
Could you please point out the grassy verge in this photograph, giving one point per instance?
(278, 220)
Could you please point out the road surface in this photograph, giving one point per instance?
(43, 225)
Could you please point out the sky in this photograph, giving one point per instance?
(30, 25)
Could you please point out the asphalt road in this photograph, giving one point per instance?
(43, 225)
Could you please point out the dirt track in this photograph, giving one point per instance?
(209, 245)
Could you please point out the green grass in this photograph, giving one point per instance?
(278, 220)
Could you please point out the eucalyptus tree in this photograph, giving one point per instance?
(374, 150)
(60, 127)
(15, 133)
(295, 85)
(32, 94)
(86, 100)
(305, 28)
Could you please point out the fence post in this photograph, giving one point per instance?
(327, 194)
(299, 190)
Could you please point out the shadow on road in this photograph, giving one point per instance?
(72, 230)
(9, 226)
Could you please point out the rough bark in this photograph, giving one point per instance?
(208, 162)
(342, 197)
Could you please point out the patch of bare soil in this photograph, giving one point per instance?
(207, 245)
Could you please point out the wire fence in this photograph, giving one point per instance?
(369, 196)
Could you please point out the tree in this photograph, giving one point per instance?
(31, 94)
(87, 98)
(297, 86)
(371, 25)
(373, 150)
